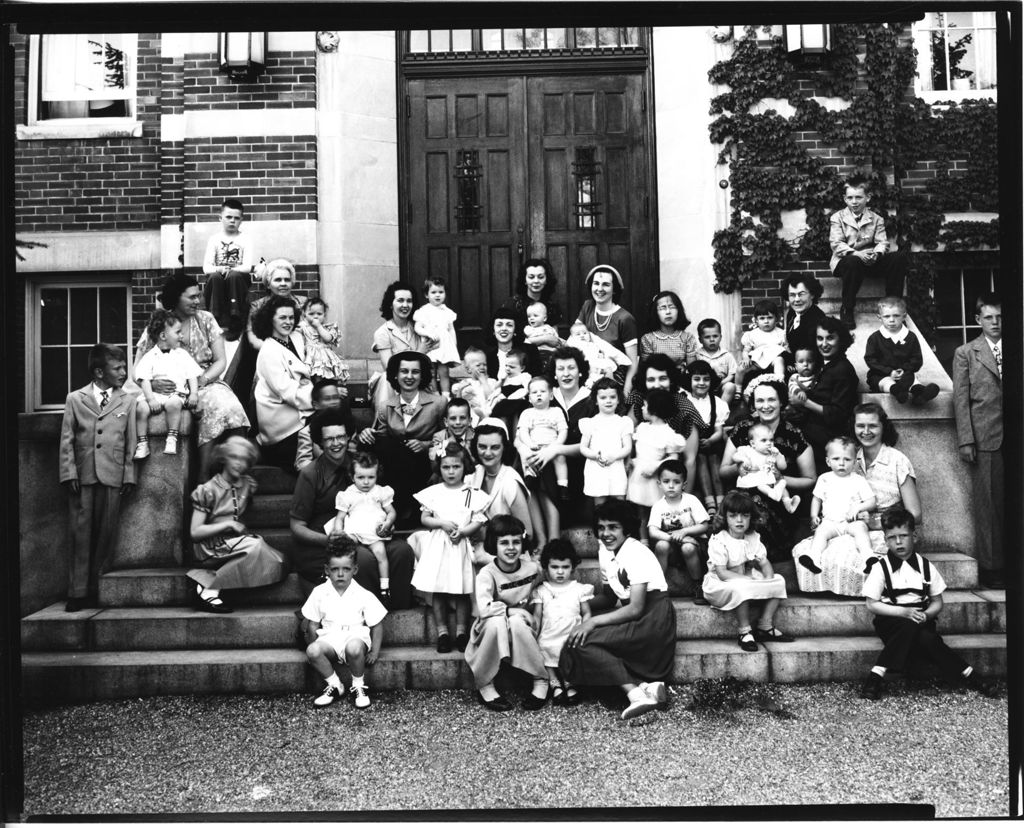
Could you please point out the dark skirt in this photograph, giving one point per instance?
(640, 650)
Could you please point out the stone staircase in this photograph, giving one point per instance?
(147, 639)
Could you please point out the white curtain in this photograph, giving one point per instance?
(75, 67)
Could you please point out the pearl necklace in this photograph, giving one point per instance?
(607, 322)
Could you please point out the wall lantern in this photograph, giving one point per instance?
(813, 39)
(242, 54)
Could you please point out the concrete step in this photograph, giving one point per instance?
(153, 628)
(273, 481)
(78, 677)
(269, 511)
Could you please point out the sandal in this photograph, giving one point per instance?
(772, 635)
(558, 696)
(212, 603)
(747, 642)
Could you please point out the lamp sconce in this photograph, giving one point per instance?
(809, 40)
(242, 54)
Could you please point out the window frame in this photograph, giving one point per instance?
(36, 128)
(33, 328)
(951, 95)
(968, 328)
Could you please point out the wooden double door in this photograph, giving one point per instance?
(502, 169)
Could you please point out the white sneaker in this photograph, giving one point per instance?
(171, 446)
(330, 695)
(639, 707)
(359, 697)
(141, 451)
(656, 690)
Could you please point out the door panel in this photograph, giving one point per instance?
(561, 171)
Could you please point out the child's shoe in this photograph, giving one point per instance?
(462, 641)
(656, 690)
(171, 446)
(141, 450)
(444, 643)
(772, 634)
(900, 394)
(920, 394)
(698, 596)
(747, 642)
(807, 562)
(871, 689)
(642, 705)
(359, 697)
(330, 695)
(563, 493)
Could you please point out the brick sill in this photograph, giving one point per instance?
(121, 128)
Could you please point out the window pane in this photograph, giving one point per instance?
(82, 67)
(113, 314)
(83, 315)
(556, 38)
(607, 37)
(946, 342)
(514, 39)
(947, 297)
(79, 368)
(931, 20)
(490, 40)
(960, 20)
(534, 38)
(462, 40)
(586, 37)
(418, 41)
(985, 59)
(976, 282)
(439, 40)
(53, 376)
(629, 36)
(53, 316)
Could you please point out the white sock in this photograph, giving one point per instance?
(540, 688)
(636, 694)
(564, 482)
(488, 692)
(334, 681)
(879, 671)
(357, 681)
(209, 593)
(967, 672)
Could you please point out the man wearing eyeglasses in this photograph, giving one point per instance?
(313, 504)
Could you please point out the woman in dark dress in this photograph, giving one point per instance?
(828, 407)
(766, 396)
(802, 292)
(536, 283)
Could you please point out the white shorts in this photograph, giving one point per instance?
(339, 638)
(840, 527)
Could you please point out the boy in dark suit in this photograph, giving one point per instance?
(978, 407)
(97, 436)
(893, 356)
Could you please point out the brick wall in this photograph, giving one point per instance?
(287, 80)
(94, 184)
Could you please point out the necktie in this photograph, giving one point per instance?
(796, 321)
(104, 399)
(997, 352)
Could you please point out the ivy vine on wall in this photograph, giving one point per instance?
(883, 133)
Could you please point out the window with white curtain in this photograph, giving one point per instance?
(79, 78)
(956, 55)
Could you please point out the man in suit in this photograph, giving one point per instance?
(97, 438)
(978, 406)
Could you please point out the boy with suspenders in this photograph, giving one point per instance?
(904, 593)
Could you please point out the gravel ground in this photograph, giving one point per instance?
(441, 750)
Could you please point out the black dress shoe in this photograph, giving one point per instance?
(76, 605)
(531, 702)
(498, 705)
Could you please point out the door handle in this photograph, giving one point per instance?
(519, 247)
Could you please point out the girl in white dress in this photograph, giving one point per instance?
(452, 514)
(739, 572)
(321, 338)
(607, 442)
(560, 603)
(436, 321)
(655, 441)
(366, 513)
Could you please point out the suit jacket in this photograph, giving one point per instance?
(806, 335)
(848, 233)
(389, 419)
(98, 446)
(977, 396)
(883, 356)
(283, 400)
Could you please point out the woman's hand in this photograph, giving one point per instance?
(162, 385)
(236, 527)
(578, 635)
(367, 436)
(417, 446)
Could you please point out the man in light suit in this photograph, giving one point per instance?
(978, 406)
(97, 440)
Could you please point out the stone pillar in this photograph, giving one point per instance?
(153, 531)
(357, 172)
(691, 205)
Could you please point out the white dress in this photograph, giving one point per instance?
(739, 555)
(321, 357)
(654, 443)
(444, 566)
(607, 435)
(438, 323)
(561, 608)
(364, 512)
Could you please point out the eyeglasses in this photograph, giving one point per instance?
(343, 438)
(803, 294)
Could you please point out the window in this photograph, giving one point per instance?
(64, 320)
(956, 291)
(525, 39)
(81, 85)
(956, 55)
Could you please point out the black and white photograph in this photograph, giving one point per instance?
(535, 411)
